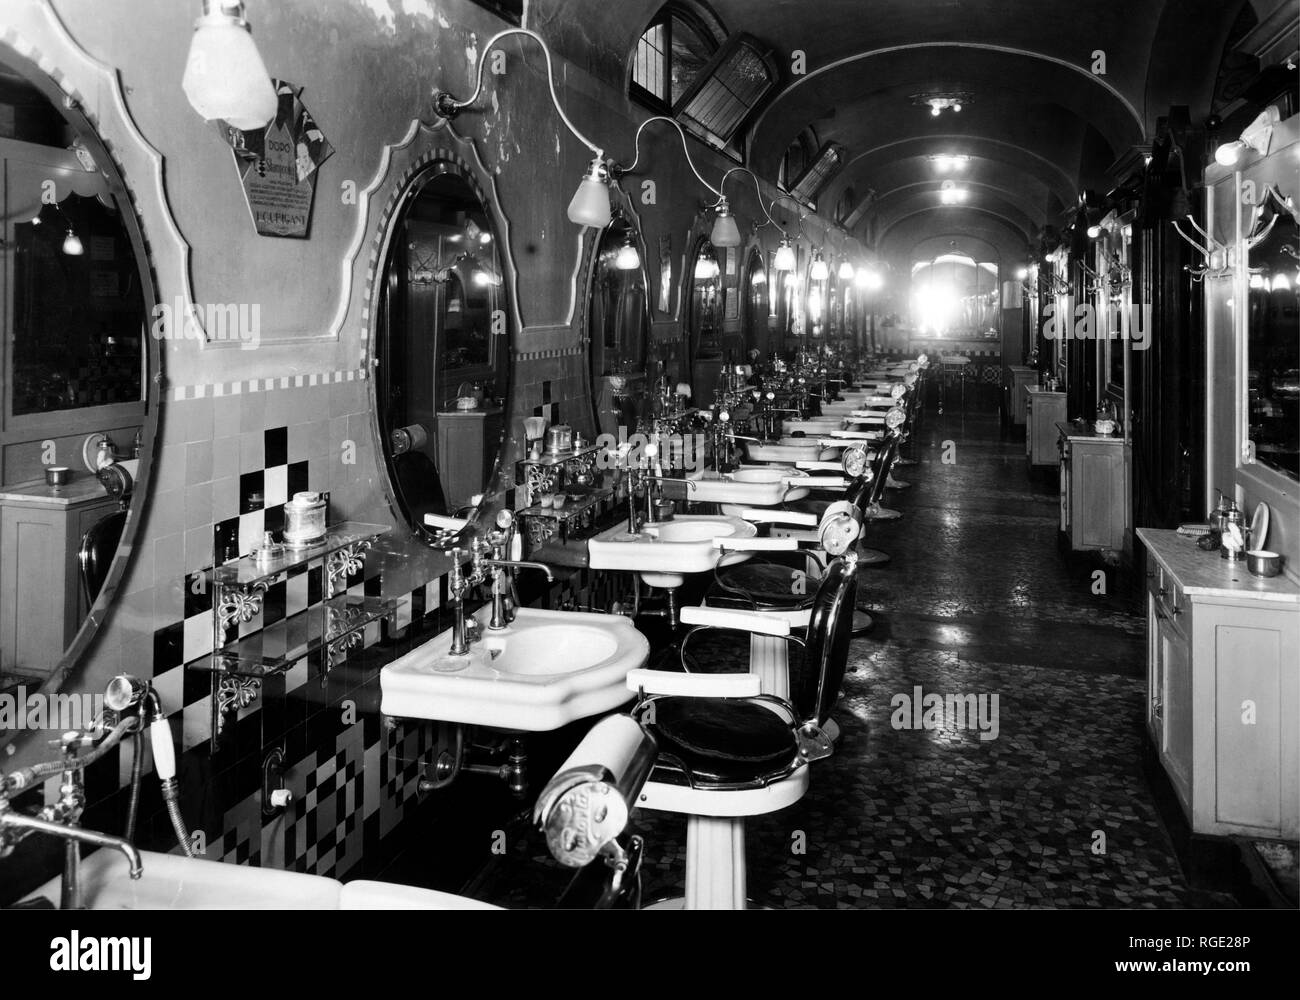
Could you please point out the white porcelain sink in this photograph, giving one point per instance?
(173, 882)
(805, 451)
(687, 548)
(750, 488)
(545, 670)
(817, 425)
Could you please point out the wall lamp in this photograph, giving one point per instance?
(224, 73)
(628, 258)
(1258, 135)
(725, 226)
(725, 232)
(819, 271)
(590, 204)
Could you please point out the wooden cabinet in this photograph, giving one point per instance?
(1094, 489)
(1021, 379)
(1223, 675)
(1043, 411)
(468, 443)
(42, 604)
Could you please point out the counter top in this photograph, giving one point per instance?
(1084, 432)
(84, 488)
(1201, 573)
(1038, 390)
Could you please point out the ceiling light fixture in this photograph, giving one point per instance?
(946, 162)
(940, 102)
(225, 77)
(590, 205)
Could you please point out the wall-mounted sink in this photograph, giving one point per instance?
(687, 548)
(817, 425)
(748, 488)
(547, 669)
(803, 451)
(173, 882)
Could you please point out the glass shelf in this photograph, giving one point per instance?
(247, 571)
(549, 459)
(281, 644)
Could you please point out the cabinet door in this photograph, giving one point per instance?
(1247, 721)
(1099, 503)
(1174, 670)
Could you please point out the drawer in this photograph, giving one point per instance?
(1165, 589)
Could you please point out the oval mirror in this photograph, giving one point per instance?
(1273, 342)
(441, 341)
(78, 408)
(704, 323)
(756, 307)
(618, 327)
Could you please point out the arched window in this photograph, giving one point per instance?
(670, 54)
(796, 158)
(687, 66)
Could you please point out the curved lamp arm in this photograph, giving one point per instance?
(617, 171)
(448, 107)
(722, 184)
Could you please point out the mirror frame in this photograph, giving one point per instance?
(751, 318)
(121, 152)
(420, 151)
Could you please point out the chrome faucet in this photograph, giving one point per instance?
(498, 567)
(458, 584)
(61, 818)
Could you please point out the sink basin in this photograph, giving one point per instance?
(818, 425)
(760, 489)
(173, 882)
(687, 548)
(545, 670)
(804, 451)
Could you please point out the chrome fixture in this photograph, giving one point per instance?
(485, 563)
(61, 818)
(458, 584)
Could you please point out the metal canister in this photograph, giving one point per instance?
(1234, 539)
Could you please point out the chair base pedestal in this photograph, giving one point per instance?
(715, 863)
(769, 658)
(873, 557)
(862, 623)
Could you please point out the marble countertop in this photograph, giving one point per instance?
(1084, 432)
(84, 488)
(1206, 574)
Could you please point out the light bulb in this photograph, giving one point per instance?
(725, 231)
(72, 245)
(1281, 283)
(1022, 273)
(1230, 152)
(957, 108)
(934, 110)
(759, 278)
(784, 256)
(590, 204)
(819, 272)
(1258, 281)
(1094, 232)
(224, 74)
(705, 268)
(627, 259)
(846, 271)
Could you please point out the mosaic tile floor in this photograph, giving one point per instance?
(1053, 812)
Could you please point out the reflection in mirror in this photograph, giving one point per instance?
(1273, 347)
(443, 361)
(618, 327)
(76, 418)
(754, 319)
(704, 324)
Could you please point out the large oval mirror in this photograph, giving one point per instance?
(442, 345)
(618, 327)
(77, 407)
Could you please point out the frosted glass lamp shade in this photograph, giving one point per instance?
(590, 204)
(224, 74)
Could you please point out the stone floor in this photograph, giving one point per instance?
(978, 599)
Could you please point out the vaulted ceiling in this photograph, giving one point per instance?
(1039, 125)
